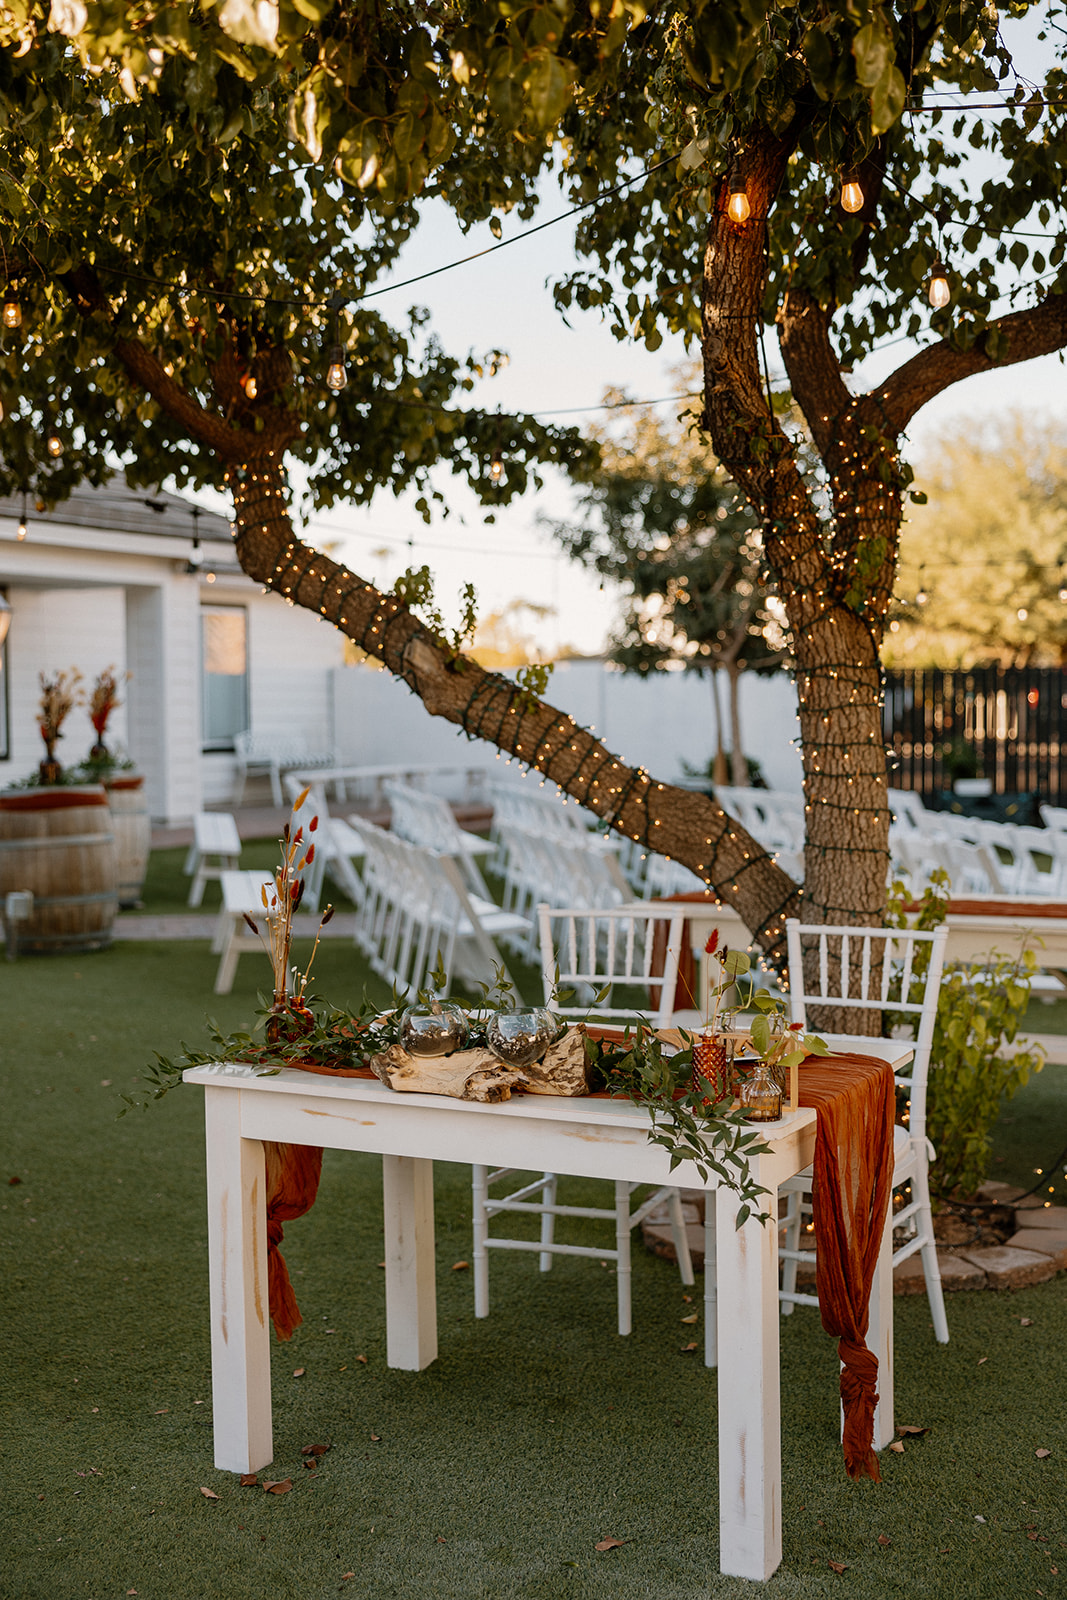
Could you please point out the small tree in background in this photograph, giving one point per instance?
(983, 564)
(661, 519)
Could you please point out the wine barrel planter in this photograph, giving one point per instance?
(58, 844)
(133, 834)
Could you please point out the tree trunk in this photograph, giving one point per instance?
(737, 747)
(720, 770)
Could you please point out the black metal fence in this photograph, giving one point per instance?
(1008, 725)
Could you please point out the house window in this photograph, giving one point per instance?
(224, 637)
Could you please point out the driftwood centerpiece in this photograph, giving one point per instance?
(479, 1075)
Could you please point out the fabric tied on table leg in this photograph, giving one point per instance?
(293, 1172)
(856, 1104)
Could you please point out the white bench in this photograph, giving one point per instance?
(216, 848)
(241, 896)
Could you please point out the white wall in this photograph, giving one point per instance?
(657, 722)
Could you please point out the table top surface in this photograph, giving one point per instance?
(597, 1111)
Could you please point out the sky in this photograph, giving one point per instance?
(504, 301)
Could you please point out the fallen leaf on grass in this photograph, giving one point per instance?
(298, 1372)
(884, 1539)
(362, 1359)
(163, 1411)
(208, 1494)
(345, 1575)
(981, 1359)
(693, 1318)
(838, 1566)
(687, 1349)
(460, 1266)
(907, 1430)
(1026, 1322)
(249, 1480)
(898, 1446)
(375, 1438)
(441, 1539)
(280, 1486)
(13, 1180)
(96, 1472)
(1042, 1455)
(329, 1330)
(314, 1449)
(610, 1544)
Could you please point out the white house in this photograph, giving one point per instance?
(149, 584)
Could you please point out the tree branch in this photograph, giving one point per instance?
(812, 365)
(1026, 334)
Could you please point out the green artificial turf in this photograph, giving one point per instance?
(493, 1474)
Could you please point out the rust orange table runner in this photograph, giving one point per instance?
(853, 1098)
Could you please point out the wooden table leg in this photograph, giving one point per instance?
(410, 1284)
(750, 1431)
(240, 1322)
(880, 1335)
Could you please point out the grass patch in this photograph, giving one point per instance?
(537, 1433)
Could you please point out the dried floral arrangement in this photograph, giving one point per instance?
(59, 695)
(103, 700)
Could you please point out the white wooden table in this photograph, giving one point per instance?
(587, 1137)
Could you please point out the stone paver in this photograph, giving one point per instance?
(956, 1273)
(1008, 1268)
(1045, 1241)
(1053, 1217)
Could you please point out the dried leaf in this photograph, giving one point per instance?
(163, 1411)
(281, 1486)
(362, 1359)
(460, 1266)
(838, 1566)
(687, 1349)
(898, 1446)
(610, 1544)
(981, 1359)
(1026, 1322)
(375, 1438)
(13, 1180)
(1042, 1455)
(884, 1538)
(298, 1372)
(208, 1494)
(693, 1318)
(907, 1430)
(345, 1575)
(249, 1480)
(314, 1449)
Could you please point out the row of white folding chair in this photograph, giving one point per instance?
(774, 817)
(593, 949)
(865, 970)
(1030, 861)
(426, 819)
(972, 868)
(579, 869)
(417, 910)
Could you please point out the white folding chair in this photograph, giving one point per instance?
(604, 948)
(872, 969)
(426, 819)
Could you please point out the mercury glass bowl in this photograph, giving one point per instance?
(433, 1030)
(519, 1037)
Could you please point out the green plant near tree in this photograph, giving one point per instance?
(972, 1074)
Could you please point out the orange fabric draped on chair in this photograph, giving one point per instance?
(854, 1098)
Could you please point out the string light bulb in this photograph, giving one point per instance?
(21, 534)
(250, 386)
(737, 206)
(851, 194)
(336, 372)
(496, 466)
(938, 291)
(53, 444)
(12, 313)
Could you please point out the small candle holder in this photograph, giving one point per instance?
(760, 1096)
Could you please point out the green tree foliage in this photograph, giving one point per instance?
(660, 518)
(988, 550)
(777, 100)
